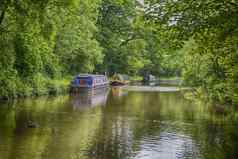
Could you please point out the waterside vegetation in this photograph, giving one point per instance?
(44, 43)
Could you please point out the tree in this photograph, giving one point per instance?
(210, 53)
(119, 37)
(45, 40)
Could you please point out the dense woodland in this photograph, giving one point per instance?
(45, 42)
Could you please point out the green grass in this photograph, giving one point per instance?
(169, 78)
(57, 86)
(136, 78)
(38, 86)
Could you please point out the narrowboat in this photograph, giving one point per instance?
(120, 80)
(89, 81)
(148, 78)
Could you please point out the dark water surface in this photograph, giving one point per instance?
(117, 124)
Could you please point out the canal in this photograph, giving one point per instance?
(117, 124)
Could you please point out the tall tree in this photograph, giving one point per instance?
(118, 35)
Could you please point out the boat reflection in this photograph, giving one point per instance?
(117, 91)
(89, 98)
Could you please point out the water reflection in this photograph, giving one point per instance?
(135, 125)
(117, 91)
(86, 99)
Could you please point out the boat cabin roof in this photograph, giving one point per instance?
(89, 75)
(121, 77)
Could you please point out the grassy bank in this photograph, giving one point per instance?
(36, 87)
(136, 78)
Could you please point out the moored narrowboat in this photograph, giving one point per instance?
(89, 81)
(148, 78)
(119, 80)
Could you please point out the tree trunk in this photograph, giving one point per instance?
(2, 16)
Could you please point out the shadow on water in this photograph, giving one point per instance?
(116, 124)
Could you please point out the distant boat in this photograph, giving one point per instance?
(89, 81)
(119, 80)
(148, 78)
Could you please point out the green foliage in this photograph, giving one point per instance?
(211, 63)
(76, 45)
(118, 35)
(209, 29)
(43, 41)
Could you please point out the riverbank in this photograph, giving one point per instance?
(39, 87)
(156, 88)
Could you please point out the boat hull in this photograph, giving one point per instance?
(118, 83)
(88, 82)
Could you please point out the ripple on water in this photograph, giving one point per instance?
(167, 145)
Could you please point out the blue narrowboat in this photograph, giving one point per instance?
(89, 81)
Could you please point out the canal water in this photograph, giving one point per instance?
(117, 124)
